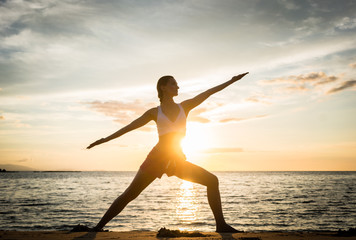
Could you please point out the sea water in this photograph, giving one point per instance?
(251, 201)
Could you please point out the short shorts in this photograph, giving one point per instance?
(162, 160)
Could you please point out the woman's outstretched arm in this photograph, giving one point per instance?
(197, 100)
(139, 122)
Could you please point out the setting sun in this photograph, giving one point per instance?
(196, 140)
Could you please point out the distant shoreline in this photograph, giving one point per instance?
(310, 171)
(56, 171)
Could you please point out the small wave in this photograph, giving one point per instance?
(300, 196)
(196, 224)
(36, 204)
(192, 224)
(65, 211)
(8, 212)
(273, 200)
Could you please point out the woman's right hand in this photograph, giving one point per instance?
(238, 77)
(100, 141)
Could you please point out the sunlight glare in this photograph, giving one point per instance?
(196, 140)
(187, 205)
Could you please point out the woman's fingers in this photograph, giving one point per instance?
(100, 141)
(91, 145)
(242, 75)
(238, 77)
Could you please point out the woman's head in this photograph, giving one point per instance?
(167, 85)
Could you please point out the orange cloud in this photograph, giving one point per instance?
(122, 112)
(352, 65)
(194, 115)
(301, 81)
(199, 119)
(256, 99)
(343, 86)
(241, 119)
(308, 82)
(125, 112)
(297, 88)
(231, 120)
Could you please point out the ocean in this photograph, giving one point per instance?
(251, 201)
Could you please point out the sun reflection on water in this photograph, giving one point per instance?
(187, 206)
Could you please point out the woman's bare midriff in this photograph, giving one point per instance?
(170, 141)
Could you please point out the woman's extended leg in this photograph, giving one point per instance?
(138, 184)
(196, 174)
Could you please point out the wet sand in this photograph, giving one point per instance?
(62, 235)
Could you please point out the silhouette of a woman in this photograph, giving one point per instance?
(167, 156)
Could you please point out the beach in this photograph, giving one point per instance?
(150, 235)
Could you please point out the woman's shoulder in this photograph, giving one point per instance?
(185, 107)
(153, 112)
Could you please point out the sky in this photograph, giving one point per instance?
(73, 72)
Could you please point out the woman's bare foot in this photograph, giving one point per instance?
(226, 228)
(96, 229)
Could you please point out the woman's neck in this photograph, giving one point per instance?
(167, 101)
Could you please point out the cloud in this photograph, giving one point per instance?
(122, 112)
(296, 88)
(290, 5)
(346, 23)
(195, 115)
(23, 160)
(256, 99)
(226, 120)
(199, 119)
(352, 65)
(212, 112)
(304, 21)
(19, 124)
(302, 82)
(252, 99)
(318, 84)
(223, 150)
(44, 17)
(114, 38)
(125, 112)
(2, 117)
(343, 86)
(315, 78)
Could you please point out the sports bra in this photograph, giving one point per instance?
(165, 125)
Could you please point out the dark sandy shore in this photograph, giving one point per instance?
(62, 235)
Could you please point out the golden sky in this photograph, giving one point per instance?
(74, 72)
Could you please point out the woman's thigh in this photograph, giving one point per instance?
(139, 183)
(193, 173)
